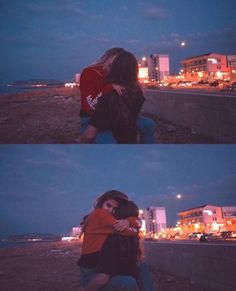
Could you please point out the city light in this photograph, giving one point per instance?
(178, 196)
(183, 43)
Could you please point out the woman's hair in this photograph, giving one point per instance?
(124, 72)
(108, 54)
(111, 194)
(126, 209)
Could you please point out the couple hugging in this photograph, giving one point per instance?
(111, 259)
(111, 100)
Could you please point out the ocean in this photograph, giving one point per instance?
(11, 245)
(14, 89)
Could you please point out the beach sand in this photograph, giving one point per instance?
(52, 117)
(52, 267)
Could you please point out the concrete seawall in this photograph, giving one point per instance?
(212, 266)
(213, 115)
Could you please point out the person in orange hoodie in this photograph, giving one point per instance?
(96, 227)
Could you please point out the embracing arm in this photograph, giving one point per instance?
(101, 221)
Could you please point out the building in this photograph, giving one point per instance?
(207, 67)
(231, 60)
(143, 74)
(155, 219)
(229, 214)
(157, 67)
(205, 218)
(76, 231)
(77, 78)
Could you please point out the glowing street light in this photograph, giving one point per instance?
(183, 43)
(178, 196)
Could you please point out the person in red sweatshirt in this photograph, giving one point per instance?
(93, 85)
(97, 226)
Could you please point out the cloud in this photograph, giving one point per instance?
(17, 197)
(22, 42)
(124, 8)
(134, 41)
(63, 7)
(222, 191)
(152, 165)
(153, 13)
(57, 158)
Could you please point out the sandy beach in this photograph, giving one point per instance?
(52, 117)
(52, 267)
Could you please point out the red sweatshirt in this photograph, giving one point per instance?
(92, 86)
(99, 226)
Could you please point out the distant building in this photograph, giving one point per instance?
(231, 59)
(155, 218)
(157, 67)
(229, 214)
(77, 78)
(205, 218)
(143, 74)
(209, 67)
(76, 231)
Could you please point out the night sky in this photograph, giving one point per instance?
(55, 39)
(48, 188)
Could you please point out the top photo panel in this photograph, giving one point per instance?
(133, 72)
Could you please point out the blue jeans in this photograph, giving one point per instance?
(144, 278)
(122, 283)
(116, 283)
(146, 129)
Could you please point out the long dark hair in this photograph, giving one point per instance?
(108, 54)
(126, 209)
(124, 72)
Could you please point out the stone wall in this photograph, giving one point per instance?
(212, 266)
(213, 115)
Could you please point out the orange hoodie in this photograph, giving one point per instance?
(100, 225)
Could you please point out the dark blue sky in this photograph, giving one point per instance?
(56, 39)
(48, 188)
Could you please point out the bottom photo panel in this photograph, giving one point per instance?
(128, 217)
